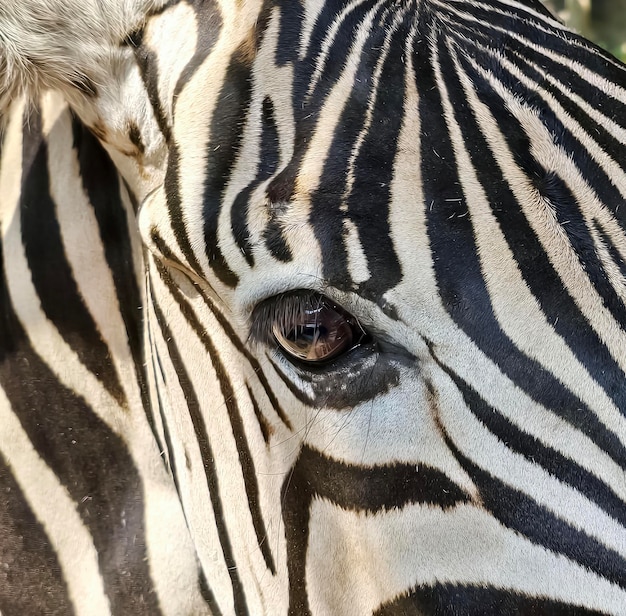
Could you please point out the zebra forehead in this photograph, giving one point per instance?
(370, 104)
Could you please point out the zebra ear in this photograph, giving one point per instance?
(63, 44)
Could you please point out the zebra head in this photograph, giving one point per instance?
(385, 325)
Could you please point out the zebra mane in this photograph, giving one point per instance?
(62, 43)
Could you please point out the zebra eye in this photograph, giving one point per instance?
(316, 331)
(306, 326)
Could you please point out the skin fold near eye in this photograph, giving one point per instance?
(307, 327)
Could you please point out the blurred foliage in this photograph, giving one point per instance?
(602, 21)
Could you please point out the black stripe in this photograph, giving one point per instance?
(355, 488)
(134, 135)
(336, 56)
(125, 280)
(51, 273)
(233, 337)
(366, 202)
(165, 448)
(31, 580)
(290, 32)
(275, 240)
(208, 460)
(268, 159)
(223, 148)
(457, 268)
(246, 460)
(579, 235)
(101, 183)
(205, 589)
(488, 44)
(370, 201)
(209, 25)
(264, 426)
(567, 471)
(603, 185)
(497, 32)
(307, 109)
(89, 460)
(171, 185)
(617, 258)
(373, 489)
(207, 594)
(149, 70)
(535, 266)
(290, 385)
(540, 35)
(254, 363)
(525, 516)
(470, 600)
(491, 16)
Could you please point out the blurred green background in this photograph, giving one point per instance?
(602, 21)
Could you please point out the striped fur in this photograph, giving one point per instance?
(450, 173)
(87, 501)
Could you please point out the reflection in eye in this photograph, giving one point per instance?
(309, 327)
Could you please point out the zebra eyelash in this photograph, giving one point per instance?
(282, 310)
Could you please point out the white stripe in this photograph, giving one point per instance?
(422, 545)
(56, 511)
(613, 89)
(611, 167)
(191, 132)
(523, 321)
(11, 167)
(312, 11)
(541, 219)
(374, 90)
(246, 166)
(485, 450)
(321, 140)
(190, 474)
(173, 572)
(84, 250)
(330, 38)
(173, 37)
(549, 21)
(357, 260)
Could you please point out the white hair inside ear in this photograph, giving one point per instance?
(63, 44)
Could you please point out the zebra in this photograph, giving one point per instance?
(310, 308)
